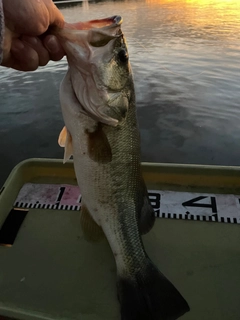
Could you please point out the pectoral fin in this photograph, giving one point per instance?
(91, 230)
(99, 149)
(65, 141)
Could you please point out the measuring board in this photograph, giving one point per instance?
(167, 204)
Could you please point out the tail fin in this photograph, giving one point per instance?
(150, 296)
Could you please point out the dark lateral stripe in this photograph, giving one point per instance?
(11, 226)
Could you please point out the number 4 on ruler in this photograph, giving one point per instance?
(194, 203)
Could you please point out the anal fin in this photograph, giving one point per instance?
(146, 217)
(91, 230)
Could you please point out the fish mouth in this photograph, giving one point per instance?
(106, 23)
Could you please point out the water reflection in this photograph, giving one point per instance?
(185, 57)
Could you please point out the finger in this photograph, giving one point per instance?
(54, 48)
(36, 44)
(22, 57)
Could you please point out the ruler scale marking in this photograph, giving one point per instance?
(223, 208)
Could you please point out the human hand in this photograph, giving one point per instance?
(26, 45)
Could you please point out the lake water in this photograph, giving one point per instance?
(185, 56)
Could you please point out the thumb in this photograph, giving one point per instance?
(55, 16)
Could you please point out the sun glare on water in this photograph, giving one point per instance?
(204, 13)
(213, 3)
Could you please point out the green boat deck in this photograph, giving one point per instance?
(51, 272)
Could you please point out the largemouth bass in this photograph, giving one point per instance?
(101, 132)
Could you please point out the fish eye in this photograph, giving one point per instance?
(123, 55)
